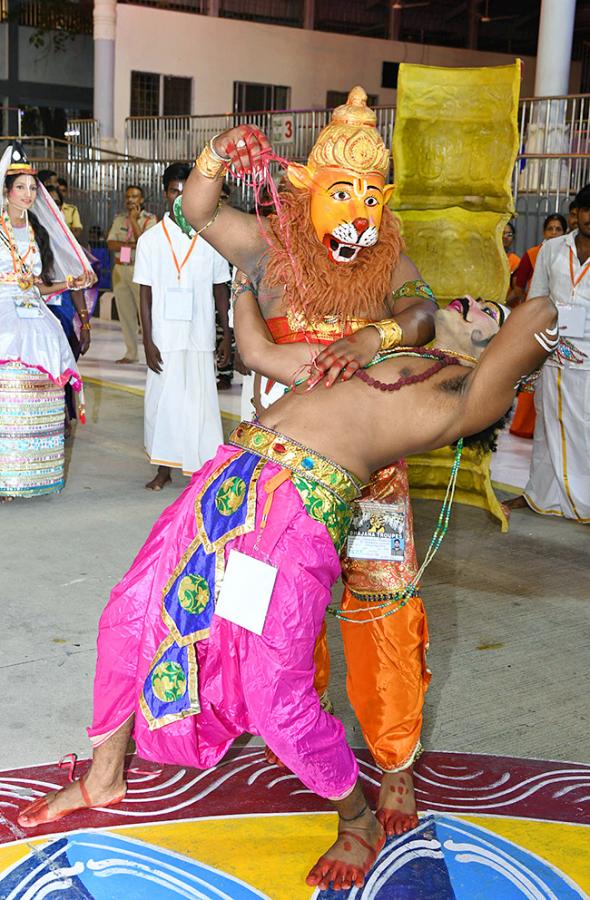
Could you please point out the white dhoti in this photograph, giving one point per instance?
(182, 424)
(559, 480)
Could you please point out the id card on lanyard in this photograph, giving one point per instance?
(572, 316)
(179, 301)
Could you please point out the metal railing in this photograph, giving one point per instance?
(552, 165)
(190, 6)
(293, 132)
(75, 18)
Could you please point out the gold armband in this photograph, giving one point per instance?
(390, 332)
(209, 162)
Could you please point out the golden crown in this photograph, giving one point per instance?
(351, 140)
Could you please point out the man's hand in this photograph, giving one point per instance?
(84, 341)
(224, 351)
(344, 357)
(134, 212)
(244, 147)
(153, 357)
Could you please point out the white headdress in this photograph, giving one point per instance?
(68, 255)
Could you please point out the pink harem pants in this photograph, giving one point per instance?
(264, 684)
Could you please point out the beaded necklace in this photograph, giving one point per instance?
(392, 603)
(399, 599)
(25, 276)
(443, 359)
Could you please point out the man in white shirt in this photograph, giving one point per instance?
(182, 281)
(559, 480)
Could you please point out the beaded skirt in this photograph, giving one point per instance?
(31, 432)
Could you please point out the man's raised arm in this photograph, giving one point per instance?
(522, 345)
(234, 234)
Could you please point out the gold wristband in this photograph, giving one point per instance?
(209, 164)
(390, 332)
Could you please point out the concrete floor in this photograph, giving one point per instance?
(508, 613)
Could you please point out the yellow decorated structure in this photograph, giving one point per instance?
(454, 148)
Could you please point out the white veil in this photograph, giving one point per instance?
(68, 255)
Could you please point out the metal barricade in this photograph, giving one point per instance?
(553, 162)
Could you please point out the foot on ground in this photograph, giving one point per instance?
(78, 795)
(124, 361)
(397, 804)
(348, 860)
(157, 483)
(273, 759)
(516, 503)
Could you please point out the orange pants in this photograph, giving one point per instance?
(523, 421)
(387, 678)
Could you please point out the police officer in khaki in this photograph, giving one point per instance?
(121, 239)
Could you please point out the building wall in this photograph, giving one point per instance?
(75, 66)
(216, 52)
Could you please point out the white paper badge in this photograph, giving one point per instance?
(572, 320)
(178, 304)
(246, 590)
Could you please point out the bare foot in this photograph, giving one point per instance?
(157, 483)
(125, 361)
(348, 860)
(397, 805)
(6, 499)
(516, 503)
(81, 794)
(273, 759)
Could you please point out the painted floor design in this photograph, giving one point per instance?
(491, 828)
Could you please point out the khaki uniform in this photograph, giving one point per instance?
(126, 292)
(71, 215)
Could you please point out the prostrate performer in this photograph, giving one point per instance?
(185, 679)
(182, 280)
(328, 262)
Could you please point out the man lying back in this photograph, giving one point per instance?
(186, 680)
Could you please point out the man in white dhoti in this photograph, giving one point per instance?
(182, 281)
(559, 480)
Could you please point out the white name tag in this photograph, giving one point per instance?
(178, 305)
(378, 531)
(245, 592)
(572, 320)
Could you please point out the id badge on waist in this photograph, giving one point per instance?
(125, 255)
(28, 310)
(377, 531)
(246, 591)
(178, 305)
(572, 320)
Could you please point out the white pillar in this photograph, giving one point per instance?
(554, 47)
(105, 24)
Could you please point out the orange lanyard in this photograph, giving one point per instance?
(16, 257)
(180, 267)
(576, 281)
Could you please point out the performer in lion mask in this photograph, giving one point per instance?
(325, 263)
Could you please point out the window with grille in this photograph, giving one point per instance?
(337, 98)
(252, 97)
(177, 96)
(145, 94)
(160, 95)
